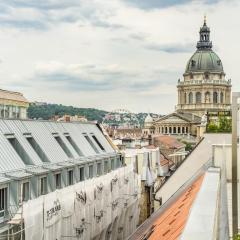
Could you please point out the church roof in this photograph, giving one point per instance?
(180, 117)
(204, 59)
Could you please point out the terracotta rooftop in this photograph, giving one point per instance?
(169, 224)
(168, 141)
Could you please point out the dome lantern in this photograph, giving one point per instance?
(204, 42)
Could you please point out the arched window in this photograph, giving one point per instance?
(221, 97)
(215, 97)
(207, 97)
(174, 130)
(179, 129)
(162, 129)
(166, 130)
(170, 129)
(198, 97)
(185, 98)
(183, 130)
(190, 98)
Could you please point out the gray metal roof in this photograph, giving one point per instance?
(44, 132)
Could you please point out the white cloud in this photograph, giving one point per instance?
(109, 54)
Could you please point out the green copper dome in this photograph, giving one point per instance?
(204, 61)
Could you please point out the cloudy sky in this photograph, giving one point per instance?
(110, 54)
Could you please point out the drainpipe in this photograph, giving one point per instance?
(235, 97)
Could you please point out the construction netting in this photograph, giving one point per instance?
(106, 207)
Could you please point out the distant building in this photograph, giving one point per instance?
(69, 118)
(204, 90)
(13, 105)
(204, 87)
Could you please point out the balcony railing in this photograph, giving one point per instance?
(204, 81)
(203, 106)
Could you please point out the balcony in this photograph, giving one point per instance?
(203, 106)
(205, 81)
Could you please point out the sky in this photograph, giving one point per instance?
(111, 54)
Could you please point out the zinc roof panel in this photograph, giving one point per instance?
(9, 159)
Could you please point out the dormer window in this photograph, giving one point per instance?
(193, 63)
(219, 62)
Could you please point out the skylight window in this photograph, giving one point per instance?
(63, 146)
(91, 143)
(37, 149)
(20, 150)
(98, 143)
(74, 145)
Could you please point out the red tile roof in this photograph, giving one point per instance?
(168, 141)
(170, 224)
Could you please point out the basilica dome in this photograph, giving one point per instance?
(204, 61)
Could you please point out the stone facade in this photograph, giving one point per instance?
(204, 87)
(13, 105)
(177, 123)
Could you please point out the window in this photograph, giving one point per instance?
(25, 191)
(37, 149)
(70, 177)
(90, 171)
(81, 174)
(185, 98)
(198, 97)
(99, 169)
(91, 143)
(221, 97)
(74, 145)
(20, 151)
(112, 164)
(3, 202)
(215, 97)
(63, 146)
(106, 169)
(58, 181)
(190, 98)
(98, 143)
(170, 129)
(43, 185)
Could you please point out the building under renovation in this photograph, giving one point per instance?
(62, 180)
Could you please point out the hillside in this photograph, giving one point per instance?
(47, 111)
